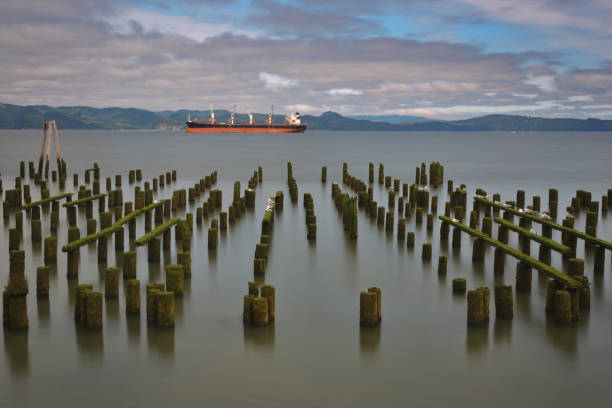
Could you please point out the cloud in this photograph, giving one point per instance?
(343, 92)
(544, 82)
(112, 54)
(134, 20)
(586, 14)
(310, 19)
(276, 82)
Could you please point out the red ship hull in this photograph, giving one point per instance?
(204, 127)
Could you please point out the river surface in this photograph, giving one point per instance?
(315, 354)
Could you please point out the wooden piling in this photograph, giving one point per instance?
(17, 284)
(504, 304)
(442, 264)
(129, 265)
(426, 251)
(42, 281)
(269, 292)
(153, 253)
(478, 250)
(523, 276)
(563, 313)
(132, 296)
(50, 250)
(475, 309)
(459, 285)
(152, 292)
(401, 229)
(389, 221)
(368, 309)
(165, 309)
(599, 260)
(111, 282)
(175, 279)
(184, 259)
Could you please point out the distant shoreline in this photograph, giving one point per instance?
(119, 119)
(336, 130)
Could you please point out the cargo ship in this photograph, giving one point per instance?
(292, 124)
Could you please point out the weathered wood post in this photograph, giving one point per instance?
(504, 304)
(175, 279)
(42, 281)
(153, 254)
(523, 276)
(14, 238)
(442, 264)
(111, 282)
(129, 265)
(563, 313)
(459, 284)
(50, 250)
(426, 251)
(132, 296)
(475, 308)
(165, 309)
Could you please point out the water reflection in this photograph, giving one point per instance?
(312, 245)
(179, 310)
(260, 338)
(90, 342)
(442, 282)
(523, 305)
(502, 331)
(563, 338)
(42, 309)
(71, 290)
(212, 259)
(477, 338)
(597, 286)
(17, 352)
(160, 340)
(133, 330)
(155, 270)
(350, 245)
(478, 268)
(369, 340)
(111, 310)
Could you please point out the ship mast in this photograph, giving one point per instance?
(232, 116)
(251, 121)
(212, 114)
(269, 122)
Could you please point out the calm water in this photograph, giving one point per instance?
(315, 354)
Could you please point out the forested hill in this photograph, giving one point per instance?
(83, 117)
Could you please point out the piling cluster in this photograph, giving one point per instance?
(262, 248)
(259, 306)
(347, 207)
(293, 188)
(311, 219)
(370, 311)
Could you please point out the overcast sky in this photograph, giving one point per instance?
(439, 59)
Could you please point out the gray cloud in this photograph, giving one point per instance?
(284, 19)
(84, 60)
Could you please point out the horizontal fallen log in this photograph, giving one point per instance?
(534, 263)
(554, 245)
(553, 225)
(84, 200)
(47, 200)
(113, 228)
(156, 231)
